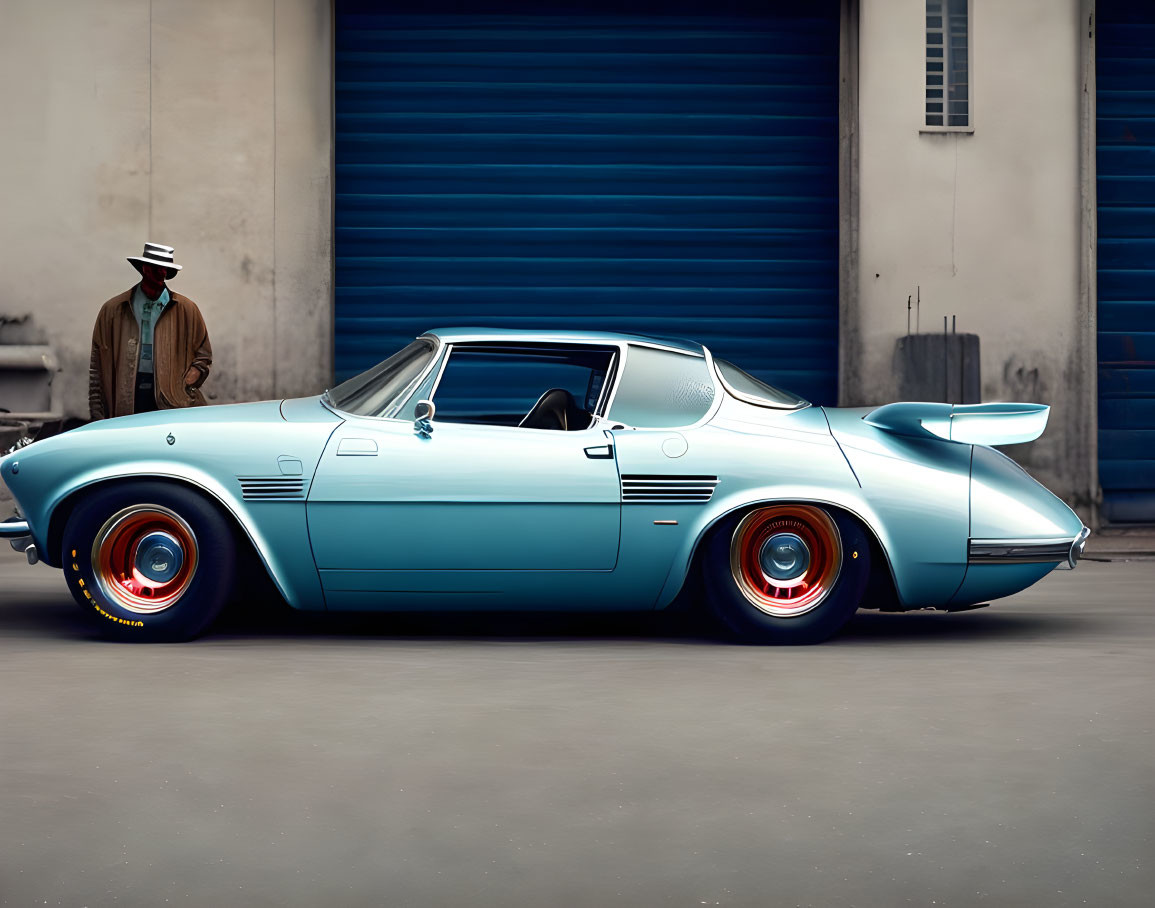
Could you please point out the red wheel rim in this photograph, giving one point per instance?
(789, 596)
(116, 558)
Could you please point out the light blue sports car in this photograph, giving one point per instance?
(496, 470)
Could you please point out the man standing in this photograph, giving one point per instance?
(150, 347)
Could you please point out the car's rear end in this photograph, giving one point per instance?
(1016, 531)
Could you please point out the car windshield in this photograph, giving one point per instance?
(377, 391)
(746, 387)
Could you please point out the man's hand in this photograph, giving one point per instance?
(192, 376)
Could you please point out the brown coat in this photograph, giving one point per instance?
(180, 340)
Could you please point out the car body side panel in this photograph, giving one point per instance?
(994, 581)
(408, 512)
(211, 448)
(647, 551)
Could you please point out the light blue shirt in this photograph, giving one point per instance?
(147, 312)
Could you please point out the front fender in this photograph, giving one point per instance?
(277, 529)
(209, 448)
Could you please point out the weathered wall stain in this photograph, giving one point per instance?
(21, 329)
(1023, 382)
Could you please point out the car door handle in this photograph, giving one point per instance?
(600, 452)
(357, 447)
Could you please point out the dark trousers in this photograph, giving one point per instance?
(145, 401)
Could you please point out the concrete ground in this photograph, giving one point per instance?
(1004, 756)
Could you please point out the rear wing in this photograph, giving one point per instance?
(975, 424)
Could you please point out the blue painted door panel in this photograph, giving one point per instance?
(386, 504)
(1125, 152)
(665, 168)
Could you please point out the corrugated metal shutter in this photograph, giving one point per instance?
(660, 168)
(1125, 49)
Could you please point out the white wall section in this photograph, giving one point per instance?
(203, 125)
(987, 224)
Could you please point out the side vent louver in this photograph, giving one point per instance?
(272, 488)
(640, 488)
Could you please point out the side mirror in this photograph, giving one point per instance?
(423, 418)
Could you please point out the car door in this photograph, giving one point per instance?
(466, 497)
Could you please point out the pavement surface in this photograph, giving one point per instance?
(999, 757)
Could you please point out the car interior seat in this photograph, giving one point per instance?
(556, 409)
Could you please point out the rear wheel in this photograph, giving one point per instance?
(787, 573)
(150, 561)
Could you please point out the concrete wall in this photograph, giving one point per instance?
(987, 224)
(203, 125)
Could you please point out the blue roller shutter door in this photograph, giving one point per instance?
(1125, 50)
(670, 172)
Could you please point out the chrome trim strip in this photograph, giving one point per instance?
(1019, 551)
(260, 488)
(14, 529)
(619, 367)
(1077, 547)
(655, 345)
(609, 383)
(750, 399)
(582, 338)
(640, 488)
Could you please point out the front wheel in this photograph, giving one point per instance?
(791, 574)
(149, 561)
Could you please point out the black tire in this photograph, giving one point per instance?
(739, 607)
(99, 541)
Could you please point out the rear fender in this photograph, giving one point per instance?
(910, 584)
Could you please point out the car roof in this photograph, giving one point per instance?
(527, 335)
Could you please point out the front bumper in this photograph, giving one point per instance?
(14, 528)
(1027, 551)
(19, 536)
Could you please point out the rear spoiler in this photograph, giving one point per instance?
(975, 424)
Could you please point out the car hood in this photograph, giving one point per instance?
(223, 413)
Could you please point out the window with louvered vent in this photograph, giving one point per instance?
(948, 94)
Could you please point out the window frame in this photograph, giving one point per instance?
(753, 400)
(405, 394)
(925, 128)
(612, 373)
(601, 421)
(711, 371)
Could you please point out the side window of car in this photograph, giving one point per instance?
(660, 388)
(501, 386)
